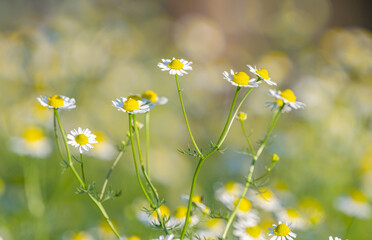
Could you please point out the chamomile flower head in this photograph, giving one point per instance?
(293, 216)
(241, 116)
(168, 237)
(336, 238)
(240, 79)
(33, 143)
(177, 220)
(285, 99)
(57, 102)
(153, 98)
(152, 218)
(262, 74)
(212, 228)
(131, 105)
(355, 204)
(247, 229)
(245, 209)
(175, 66)
(82, 139)
(197, 200)
(265, 199)
(282, 231)
(229, 192)
(81, 236)
(132, 238)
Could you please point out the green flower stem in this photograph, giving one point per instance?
(153, 189)
(56, 134)
(70, 163)
(147, 133)
(224, 135)
(82, 183)
(110, 171)
(135, 162)
(82, 168)
(222, 138)
(185, 116)
(251, 170)
(247, 137)
(230, 113)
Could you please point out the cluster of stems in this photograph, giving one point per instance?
(81, 179)
(202, 157)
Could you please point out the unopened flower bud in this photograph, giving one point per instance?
(242, 116)
(275, 157)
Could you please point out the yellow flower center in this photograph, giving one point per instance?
(266, 194)
(164, 211)
(358, 196)
(255, 231)
(263, 73)
(135, 97)
(197, 198)
(180, 212)
(80, 236)
(241, 78)
(292, 213)
(245, 205)
(176, 64)
(130, 105)
(288, 95)
(33, 134)
(55, 101)
(81, 139)
(150, 95)
(230, 186)
(133, 238)
(282, 230)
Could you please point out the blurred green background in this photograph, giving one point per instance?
(96, 51)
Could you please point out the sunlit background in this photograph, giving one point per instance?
(96, 51)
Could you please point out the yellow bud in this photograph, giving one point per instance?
(275, 157)
(242, 116)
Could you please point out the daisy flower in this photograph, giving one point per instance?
(293, 216)
(229, 192)
(286, 98)
(81, 236)
(245, 209)
(336, 238)
(282, 231)
(153, 98)
(33, 143)
(197, 200)
(262, 74)
(82, 139)
(57, 102)
(241, 116)
(153, 217)
(178, 218)
(240, 79)
(168, 237)
(246, 229)
(175, 66)
(265, 199)
(130, 105)
(355, 204)
(212, 228)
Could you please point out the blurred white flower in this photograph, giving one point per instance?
(153, 98)
(197, 200)
(229, 192)
(175, 66)
(168, 237)
(265, 199)
(179, 217)
(354, 204)
(293, 216)
(33, 143)
(247, 229)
